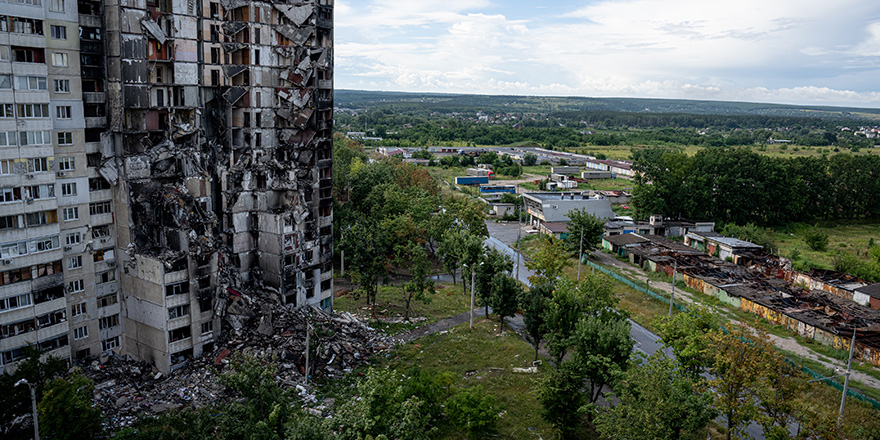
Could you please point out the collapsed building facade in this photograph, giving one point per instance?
(206, 147)
(817, 305)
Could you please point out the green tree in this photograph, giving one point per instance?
(383, 408)
(816, 239)
(474, 412)
(422, 154)
(450, 250)
(254, 379)
(752, 233)
(562, 313)
(491, 263)
(534, 305)
(592, 227)
(601, 351)
(66, 410)
(530, 159)
(504, 293)
(415, 257)
(663, 399)
(549, 261)
(16, 401)
(366, 253)
(559, 392)
(738, 361)
(688, 336)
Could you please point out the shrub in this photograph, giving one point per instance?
(473, 411)
(816, 239)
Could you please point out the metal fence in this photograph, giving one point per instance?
(837, 385)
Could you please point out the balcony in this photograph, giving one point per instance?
(95, 47)
(90, 20)
(96, 122)
(176, 277)
(180, 345)
(106, 288)
(94, 97)
(177, 300)
(176, 323)
(101, 219)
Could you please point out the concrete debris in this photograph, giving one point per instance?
(260, 327)
(297, 14)
(153, 29)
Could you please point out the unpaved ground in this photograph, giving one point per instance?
(785, 343)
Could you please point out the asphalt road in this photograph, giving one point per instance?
(645, 341)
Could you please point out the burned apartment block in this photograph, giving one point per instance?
(160, 158)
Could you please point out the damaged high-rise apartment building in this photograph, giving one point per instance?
(158, 159)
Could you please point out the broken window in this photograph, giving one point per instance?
(28, 55)
(108, 322)
(52, 318)
(205, 301)
(107, 300)
(179, 334)
(178, 312)
(181, 356)
(49, 294)
(105, 277)
(103, 255)
(101, 231)
(177, 288)
(110, 344)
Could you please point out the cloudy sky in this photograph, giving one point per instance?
(787, 51)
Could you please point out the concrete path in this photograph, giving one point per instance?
(784, 342)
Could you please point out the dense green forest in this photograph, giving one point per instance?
(737, 185)
(433, 102)
(424, 120)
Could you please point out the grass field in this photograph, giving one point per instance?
(845, 237)
(624, 152)
(483, 357)
(447, 301)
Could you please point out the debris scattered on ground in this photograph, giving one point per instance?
(126, 388)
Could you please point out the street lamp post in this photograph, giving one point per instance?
(580, 253)
(33, 406)
(473, 289)
(852, 345)
(672, 295)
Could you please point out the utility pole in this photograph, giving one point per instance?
(852, 346)
(33, 406)
(473, 290)
(307, 353)
(580, 253)
(672, 297)
(518, 234)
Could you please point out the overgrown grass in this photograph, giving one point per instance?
(482, 357)
(608, 184)
(447, 301)
(847, 237)
(859, 413)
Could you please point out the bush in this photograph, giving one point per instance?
(816, 239)
(473, 411)
(530, 159)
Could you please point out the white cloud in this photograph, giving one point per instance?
(780, 50)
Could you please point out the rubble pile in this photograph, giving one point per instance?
(126, 388)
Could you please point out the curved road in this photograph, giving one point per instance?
(645, 340)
